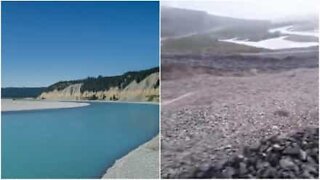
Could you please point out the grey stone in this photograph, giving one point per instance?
(286, 163)
(242, 168)
(228, 172)
(303, 155)
(276, 147)
(291, 150)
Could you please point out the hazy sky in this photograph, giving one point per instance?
(45, 42)
(252, 9)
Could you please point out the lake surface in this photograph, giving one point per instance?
(278, 42)
(289, 30)
(273, 43)
(80, 142)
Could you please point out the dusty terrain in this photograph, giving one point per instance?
(212, 108)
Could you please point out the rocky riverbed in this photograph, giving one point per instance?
(209, 118)
(295, 156)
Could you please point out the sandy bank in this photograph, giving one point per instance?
(129, 102)
(141, 163)
(19, 105)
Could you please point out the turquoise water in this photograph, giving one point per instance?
(73, 143)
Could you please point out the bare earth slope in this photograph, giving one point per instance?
(207, 119)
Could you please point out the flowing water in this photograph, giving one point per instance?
(278, 42)
(73, 143)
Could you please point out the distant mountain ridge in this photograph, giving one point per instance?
(179, 22)
(186, 31)
(131, 86)
(198, 32)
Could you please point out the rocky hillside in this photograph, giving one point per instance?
(176, 22)
(131, 86)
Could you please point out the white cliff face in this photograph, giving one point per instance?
(142, 91)
(71, 92)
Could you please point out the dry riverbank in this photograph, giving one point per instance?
(141, 163)
(20, 105)
(105, 101)
(207, 119)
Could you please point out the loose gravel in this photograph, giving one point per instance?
(226, 114)
(296, 156)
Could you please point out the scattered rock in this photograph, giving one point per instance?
(291, 150)
(303, 155)
(281, 113)
(286, 163)
(261, 162)
(228, 172)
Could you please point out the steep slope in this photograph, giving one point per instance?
(71, 92)
(131, 86)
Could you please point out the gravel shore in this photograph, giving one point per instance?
(223, 114)
(19, 105)
(141, 163)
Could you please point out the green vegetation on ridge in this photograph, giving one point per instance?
(105, 83)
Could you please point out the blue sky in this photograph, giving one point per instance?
(45, 42)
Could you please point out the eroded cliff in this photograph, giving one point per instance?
(131, 86)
